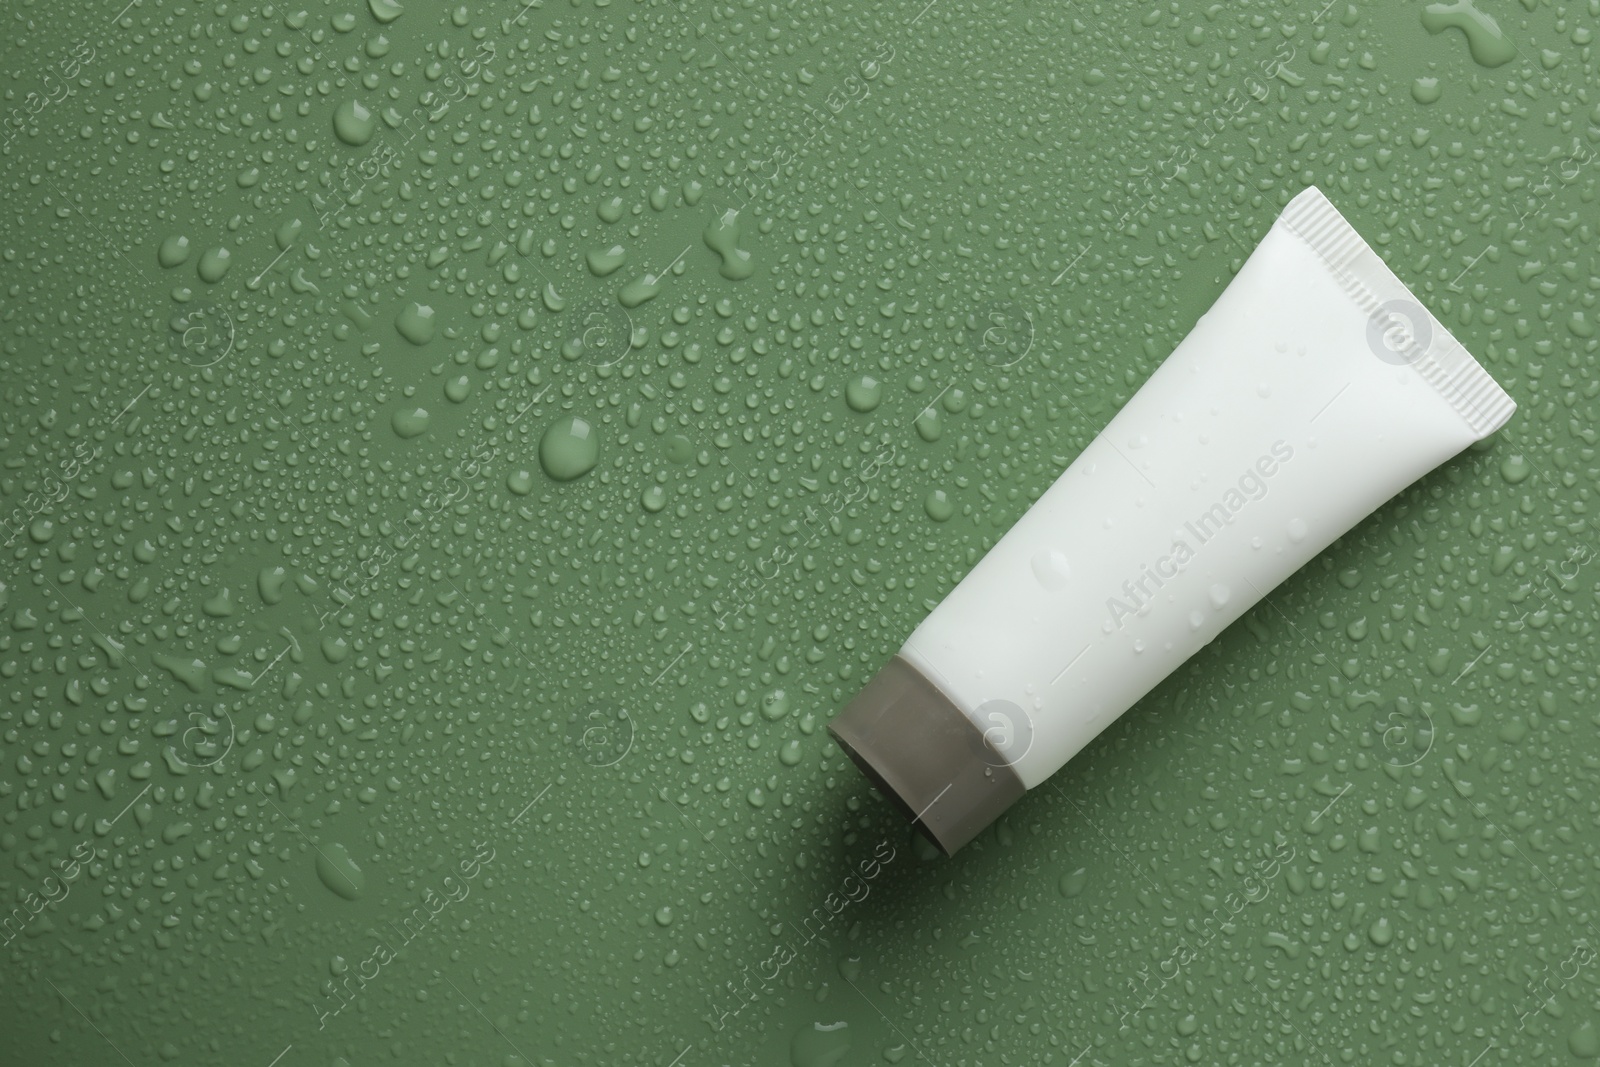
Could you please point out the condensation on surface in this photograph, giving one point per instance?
(456, 459)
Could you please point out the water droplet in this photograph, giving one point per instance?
(214, 264)
(679, 449)
(173, 251)
(639, 290)
(385, 11)
(1073, 882)
(605, 261)
(1487, 44)
(339, 871)
(353, 123)
(410, 422)
(335, 648)
(415, 323)
(722, 237)
(775, 705)
(1584, 1041)
(863, 393)
(220, 605)
(288, 233)
(270, 583)
(1515, 468)
(1051, 569)
(569, 449)
(1426, 90)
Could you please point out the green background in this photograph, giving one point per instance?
(281, 652)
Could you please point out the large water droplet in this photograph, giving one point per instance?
(1051, 568)
(415, 323)
(339, 871)
(1487, 43)
(173, 251)
(214, 264)
(604, 261)
(353, 123)
(569, 449)
(385, 11)
(722, 237)
(411, 421)
(863, 393)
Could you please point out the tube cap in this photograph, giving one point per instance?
(926, 755)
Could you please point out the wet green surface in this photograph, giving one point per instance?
(356, 708)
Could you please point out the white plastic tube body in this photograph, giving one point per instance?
(1313, 390)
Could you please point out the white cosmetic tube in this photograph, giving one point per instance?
(1313, 390)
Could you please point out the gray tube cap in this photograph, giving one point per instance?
(926, 756)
